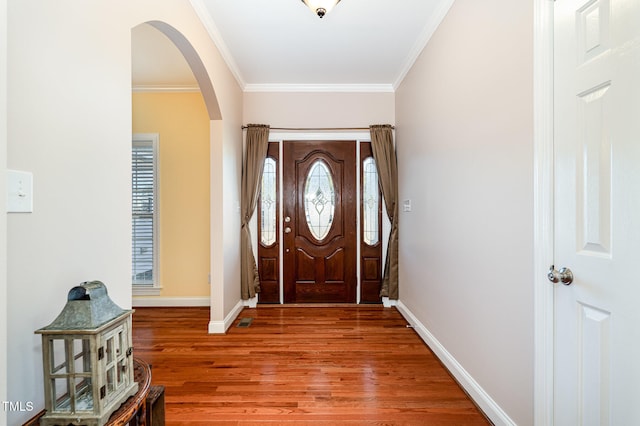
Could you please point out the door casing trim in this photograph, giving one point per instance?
(543, 194)
(356, 137)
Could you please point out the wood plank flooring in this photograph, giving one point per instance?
(298, 365)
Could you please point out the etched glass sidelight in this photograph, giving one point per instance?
(268, 203)
(370, 202)
(319, 199)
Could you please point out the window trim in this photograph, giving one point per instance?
(154, 288)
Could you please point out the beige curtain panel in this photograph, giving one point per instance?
(257, 142)
(385, 155)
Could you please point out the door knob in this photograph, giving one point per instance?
(287, 230)
(564, 275)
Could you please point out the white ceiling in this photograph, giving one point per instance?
(281, 44)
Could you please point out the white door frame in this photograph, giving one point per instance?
(543, 211)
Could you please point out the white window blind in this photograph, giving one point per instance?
(144, 202)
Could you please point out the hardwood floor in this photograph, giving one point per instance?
(298, 365)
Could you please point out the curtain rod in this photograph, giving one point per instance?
(316, 128)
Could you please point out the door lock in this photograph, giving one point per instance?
(564, 275)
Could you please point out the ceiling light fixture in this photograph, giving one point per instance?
(321, 7)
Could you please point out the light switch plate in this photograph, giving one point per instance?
(406, 206)
(19, 192)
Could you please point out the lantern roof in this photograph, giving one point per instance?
(88, 308)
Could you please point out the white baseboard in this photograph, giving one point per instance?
(144, 302)
(475, 391)
(251, 303)
(389, 303)
(221, 327)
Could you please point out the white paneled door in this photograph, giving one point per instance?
(597, 212)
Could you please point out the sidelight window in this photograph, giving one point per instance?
(319, 199)
(268, 203)
(370, 202)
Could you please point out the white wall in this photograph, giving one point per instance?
(318, 109)
(464, 122)
(69, 122)
(3, 217)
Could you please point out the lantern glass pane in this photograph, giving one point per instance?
(58, 357)
(111, 380)
(110, 349)
(60, 394)
(120, 347)
(121, 371)
(84, 394)
(81, 356)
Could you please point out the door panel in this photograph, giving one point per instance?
(320, 226)
(597, 203)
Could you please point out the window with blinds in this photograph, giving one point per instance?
(144, 212)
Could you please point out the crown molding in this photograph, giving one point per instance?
(209, 24)
(326, 88)
(428, 31)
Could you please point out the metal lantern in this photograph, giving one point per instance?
(87, 357)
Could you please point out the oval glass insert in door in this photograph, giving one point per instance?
(319, 200)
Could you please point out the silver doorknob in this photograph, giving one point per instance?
(287, 230)
(564, 275)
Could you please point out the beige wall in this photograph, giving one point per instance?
(287, 109)
(182, 123)
(69, 122)
(464, 121)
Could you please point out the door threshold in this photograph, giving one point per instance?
(316, 305)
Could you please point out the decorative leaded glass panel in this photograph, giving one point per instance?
(268, 203)
(370, 202)
(319, 199)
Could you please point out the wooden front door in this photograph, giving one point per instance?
(319, 210)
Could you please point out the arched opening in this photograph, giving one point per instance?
(196, 65)
(173, 103)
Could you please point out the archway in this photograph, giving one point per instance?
(181, 215)
(197, 67)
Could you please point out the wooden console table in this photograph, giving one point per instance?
(134, 410)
